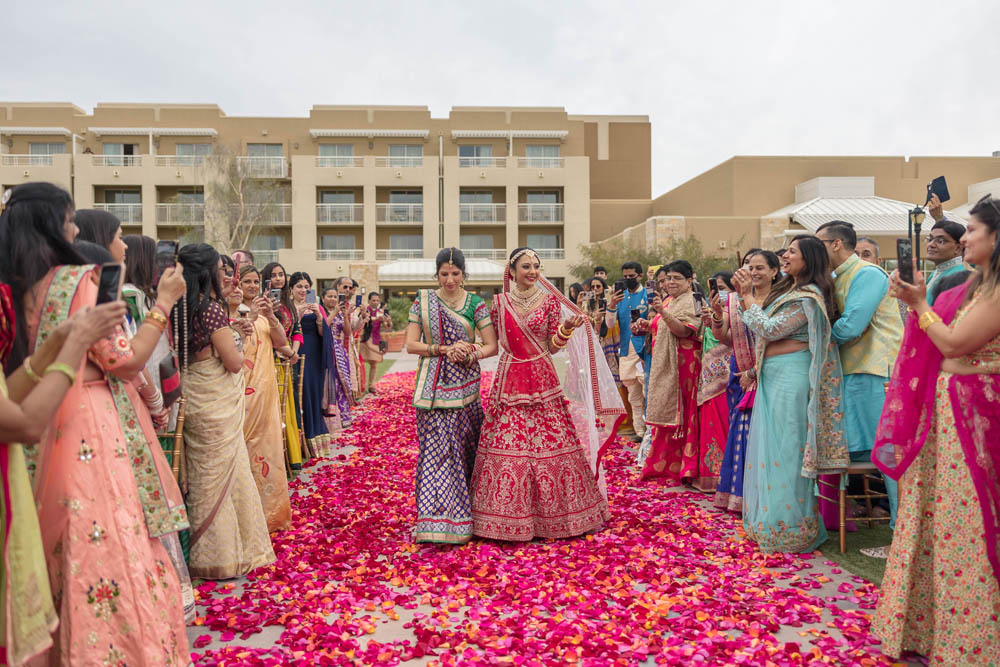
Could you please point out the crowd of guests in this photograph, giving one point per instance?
(797, 363)
(160, 428)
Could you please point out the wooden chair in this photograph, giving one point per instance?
(868, 471)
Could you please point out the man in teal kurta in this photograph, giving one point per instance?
(944, 248)
(869, 332)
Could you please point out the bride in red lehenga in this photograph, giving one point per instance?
(538, 468)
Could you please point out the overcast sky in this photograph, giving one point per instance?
(717, 79)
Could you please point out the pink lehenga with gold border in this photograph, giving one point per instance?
(538, 468)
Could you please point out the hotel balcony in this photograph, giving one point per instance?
(399, 162)
(342, 255)
(180, 214)
(545, 214)
(340, 162)
(179, 160)
(387, 255)
(485, 253)
(399, 214)
(128, 214)
(482, 213)
(263, 167)
(26, 160)
(541, 162)
(482, 162)
(340, 214)
(262, 257)
(551, 253)
(272, 214)
(116, 160)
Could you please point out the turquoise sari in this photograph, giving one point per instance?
(795, 429)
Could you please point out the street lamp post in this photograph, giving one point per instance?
(916, 218)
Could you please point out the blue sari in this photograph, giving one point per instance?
(317, 361)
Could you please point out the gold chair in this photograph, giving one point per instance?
(868, 473)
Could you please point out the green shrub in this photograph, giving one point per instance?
(612, 254)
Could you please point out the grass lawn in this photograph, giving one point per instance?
(381, 369)
(853, 560)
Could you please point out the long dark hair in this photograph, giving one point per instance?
(32, 241)
(93, 253)
(816, 272)
(200, 262)
(97, 226)
(987, 211)
(140, 265)
(286, 291)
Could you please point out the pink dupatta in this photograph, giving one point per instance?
(743, 347)
(909, 409)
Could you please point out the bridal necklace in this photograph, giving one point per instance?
(526, 299)
(456, 303)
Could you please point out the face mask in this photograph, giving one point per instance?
(631, 283)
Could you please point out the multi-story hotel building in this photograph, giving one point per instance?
(372, 192)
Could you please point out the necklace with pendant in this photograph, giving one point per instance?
(526, 299)
(455, 304)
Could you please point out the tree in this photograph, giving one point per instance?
(613, 253)
(244, 196)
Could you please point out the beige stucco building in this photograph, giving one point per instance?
(373, 192)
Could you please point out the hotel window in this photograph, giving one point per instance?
(475, 156)
(336, 242)
(543, 241)
(195, 235)
(476, 241)
(122, 154)
(267, 242)
(47, 148)
(122, 197)
(192, 154)
(406, 242)
(336, 155)
(542, 155)
(190, 197)
(406, 155)
(266, 150)
(336, 197)
(476, 206)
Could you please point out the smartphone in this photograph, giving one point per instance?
(602, 303)
(357, 300)
(109, 287)
(275, 294)
(593, 303)
(724, 295)
(243, 310)
(699, 300)
(310, 296)
(342, 298)
(650, 285)
(267, 287)
(619, 285)
(588, 295)
(938, 187)
(635, 314)
(904, 255)
(166, 256)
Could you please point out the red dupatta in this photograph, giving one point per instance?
(909, 409)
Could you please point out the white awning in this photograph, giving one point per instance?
(869, 215)
(505, 134)
(422, 270)
(35, 130)
(155, 131)
(370, 132)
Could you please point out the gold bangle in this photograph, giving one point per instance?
(30, 372)
(566, 334)
(928, 319)
(558, 343)
(65, 369)
(158, 318)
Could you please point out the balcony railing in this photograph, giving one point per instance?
(405, 214)
(485, 213)
(180, 160)
(26, 160)
(482, 162)
(384, 255)
(116, 160)
(262, 257)
(264, 167)
(543, 213)
(485, 253)
(343, 255)
(340, 161)
(269, 214)
(128, 214)
(541, 162)
(399, 162)
(344, 214)
(180, 214)
(551, 253)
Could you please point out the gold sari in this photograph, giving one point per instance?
(262, 428)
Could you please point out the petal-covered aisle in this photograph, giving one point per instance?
(668, 581)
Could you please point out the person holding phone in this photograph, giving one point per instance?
(288, 366)
(371, 337)
(317, 363)
(633, 356)
(939, 437)
(354, 324)
(944, 248)
(673, 450)
(610, 335)
(339, 395)
(868, 332)
(99, 453)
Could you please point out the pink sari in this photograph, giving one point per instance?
(909, 410)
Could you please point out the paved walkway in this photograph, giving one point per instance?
(669, 569)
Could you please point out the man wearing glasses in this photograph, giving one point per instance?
(944, 248)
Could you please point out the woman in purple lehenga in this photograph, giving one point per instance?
(338, 396)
